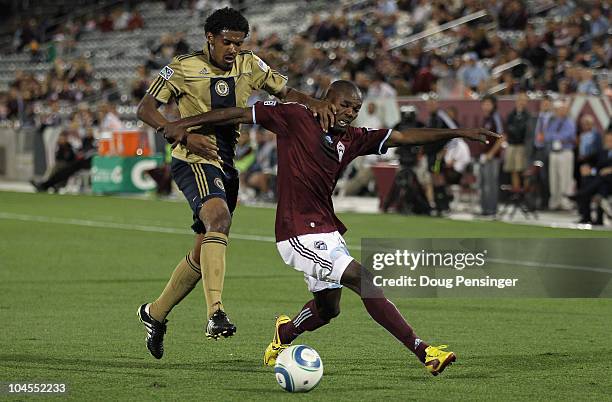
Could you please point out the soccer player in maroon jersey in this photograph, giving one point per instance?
(308, 233)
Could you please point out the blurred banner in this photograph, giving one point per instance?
(116, 174)
(490, 267)
(471, 115)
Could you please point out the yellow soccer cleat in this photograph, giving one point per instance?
(275, 347)
(436, 359)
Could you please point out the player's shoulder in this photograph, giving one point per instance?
(191, 55)
(290, 107)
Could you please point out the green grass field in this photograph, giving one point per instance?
(73, 270)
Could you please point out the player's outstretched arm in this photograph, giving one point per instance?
(419, 136)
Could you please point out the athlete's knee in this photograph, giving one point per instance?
(357, 278)
(328, 312)
(216, 216)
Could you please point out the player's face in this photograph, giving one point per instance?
(347, 110)
(224, 47)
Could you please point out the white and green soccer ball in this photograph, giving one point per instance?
(298, 369)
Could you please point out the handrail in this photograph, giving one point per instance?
(433, 31)
(541, 7)
(452, 40)
(497, 71)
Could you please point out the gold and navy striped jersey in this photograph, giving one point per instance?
(198, 86)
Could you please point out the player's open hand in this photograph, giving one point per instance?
(325, 111)
(481, 135)
(203, 146)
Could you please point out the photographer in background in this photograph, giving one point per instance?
(413, 180)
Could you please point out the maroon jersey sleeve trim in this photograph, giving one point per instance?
(382, 143)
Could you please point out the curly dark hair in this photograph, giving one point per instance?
(226, 19)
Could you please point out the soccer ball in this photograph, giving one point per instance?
(298, 369)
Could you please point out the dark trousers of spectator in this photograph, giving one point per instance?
(489, 186)
(161, 176)
(591, 186)
(543, 189)
(58, 178)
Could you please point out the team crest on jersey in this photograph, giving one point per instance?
(222, 88)
(219, 183)
(340, 148)
(329, 139)
(320, 245)
(269, 103)
(166, 73)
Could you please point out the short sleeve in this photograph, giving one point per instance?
(267, 78)
(371, 141)
(272, 116)
(168, 83)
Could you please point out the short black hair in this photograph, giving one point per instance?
(228, 19)
(492, 99)
(344, 87)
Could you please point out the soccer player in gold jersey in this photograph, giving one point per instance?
(218, 76)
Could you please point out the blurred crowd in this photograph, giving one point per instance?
(561, 48)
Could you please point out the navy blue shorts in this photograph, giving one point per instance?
(199, 182)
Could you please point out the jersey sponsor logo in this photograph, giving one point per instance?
(204, 71)
(340, 148)
(219, 183)
(320, 245)
(262, 64)
(269, 103)
(166, 73)
(221, 88)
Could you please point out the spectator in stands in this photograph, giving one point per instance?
(532, 50)
(513, 16)
(77, 161)
(262, 173)
(472, 73)
(4, 110)
(108, 117)
(590, 143)
(180, 44)
(135, 21)
(140, 84)
(489, 158)
(457, 157)
(517, 126)
(560, 137)
(540, 150)
(106, 23)
(596, 181)
(599, 23)
(109, 90)
(587, 85)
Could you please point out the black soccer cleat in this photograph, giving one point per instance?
(219, 325)
(155, 331)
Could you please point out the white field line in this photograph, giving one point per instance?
(239, 236)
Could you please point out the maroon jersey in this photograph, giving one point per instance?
(309, 165)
